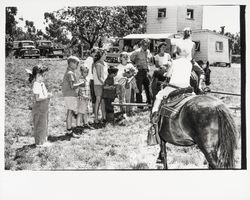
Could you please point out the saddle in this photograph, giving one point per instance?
(175, 100)
(170, 109)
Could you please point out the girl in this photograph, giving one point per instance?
(88, 63)
(40, 108)
(100, 73)
(125, 79)
(83, 98)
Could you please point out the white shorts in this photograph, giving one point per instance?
(71, 103)
(165, 92)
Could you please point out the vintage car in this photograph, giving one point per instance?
(48, 50)
(25, 49)
(113, 56)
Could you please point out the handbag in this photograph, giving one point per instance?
(153, 136)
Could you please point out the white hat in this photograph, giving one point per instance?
(73, 58)
(187, 29)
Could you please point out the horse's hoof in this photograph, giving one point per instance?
(159, 161)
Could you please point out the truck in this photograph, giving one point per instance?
(48, 50)
(25, 49)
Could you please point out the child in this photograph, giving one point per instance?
(88, 63)
(130, 84)
(125, 77)
(109, 93)
(83, 98)
(69, 87)
(40, 109)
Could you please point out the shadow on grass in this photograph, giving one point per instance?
(59, 138)
(26, 148)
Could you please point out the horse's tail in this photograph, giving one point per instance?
(227, 138)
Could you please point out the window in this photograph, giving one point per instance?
(197, 45)
(219, 46)
(190, 14)
(161, 12)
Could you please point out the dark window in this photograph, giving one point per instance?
(161, 12)
(197, 45)
(219, 46)
(46, 44)
(190, 14)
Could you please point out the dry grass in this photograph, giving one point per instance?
(112, 147)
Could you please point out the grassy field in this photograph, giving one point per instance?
(112, 147)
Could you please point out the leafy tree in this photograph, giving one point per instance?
(31, 30)
(56, 29)
(234, 42)
(10, 24)
(90, 24)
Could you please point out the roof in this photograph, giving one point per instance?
(43, 41)
(149, 36)
(209, 31)
(26, 41)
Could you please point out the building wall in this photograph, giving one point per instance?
(161, 25)
(201, 37)
(213, 55)
(183, 21)
(175, 20)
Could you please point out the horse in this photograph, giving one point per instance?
(205, 121)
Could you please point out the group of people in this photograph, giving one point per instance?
(101, 84)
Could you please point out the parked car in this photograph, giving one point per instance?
(112, 57)
(48, 50)
(25, 49)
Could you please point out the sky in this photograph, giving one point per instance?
(213, 16)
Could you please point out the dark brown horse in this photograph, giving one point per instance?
(205, 121)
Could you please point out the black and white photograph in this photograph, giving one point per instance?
(136, 88)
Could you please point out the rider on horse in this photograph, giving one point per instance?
(180, 71)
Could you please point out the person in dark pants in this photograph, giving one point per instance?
(207, 74)
(109, 93)
(140, 58)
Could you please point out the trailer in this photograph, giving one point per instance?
(212, 47)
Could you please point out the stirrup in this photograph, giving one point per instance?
(154, 117)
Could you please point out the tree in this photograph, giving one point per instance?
(31, 30)
(90, 24)
(10, 24)
(56, 29)
(234, 42)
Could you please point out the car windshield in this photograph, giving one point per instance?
(28, 43)
(113, 50)
(46, 44)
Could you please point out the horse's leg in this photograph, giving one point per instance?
(208, 142)
(164, 154)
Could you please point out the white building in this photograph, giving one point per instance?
(210, 46)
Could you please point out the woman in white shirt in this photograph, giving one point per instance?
(162, 59)
(180, 70)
